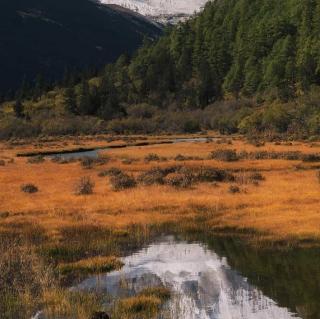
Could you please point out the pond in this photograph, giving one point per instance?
(214, 281)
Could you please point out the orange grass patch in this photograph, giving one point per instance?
(284, 206)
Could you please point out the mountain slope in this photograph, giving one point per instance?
(46, 36)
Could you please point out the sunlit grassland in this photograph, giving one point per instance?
(62, 236)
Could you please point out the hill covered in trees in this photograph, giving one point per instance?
(48, 37)
(240, 65)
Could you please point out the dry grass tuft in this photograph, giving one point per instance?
(91, 266)
(84, 186)
(29, 188)
(122, 181)
(139, 307)
(224, 155)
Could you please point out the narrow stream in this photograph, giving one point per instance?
(95, 152)
(204, 284)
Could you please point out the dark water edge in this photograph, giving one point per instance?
(291, 278)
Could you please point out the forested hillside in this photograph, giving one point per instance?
(47, 37)
(240, 65)
(238, 47)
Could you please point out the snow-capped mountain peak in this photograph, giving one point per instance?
(154, 8)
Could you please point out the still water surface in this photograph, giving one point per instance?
(206, 286)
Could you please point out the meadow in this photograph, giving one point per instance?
(66, 219)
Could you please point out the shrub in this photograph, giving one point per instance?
(36, 159)
(113, 171)
(233, 189)
(180, 158)
(122, 181)
(85, 186)
(153, 176)
(152, 158)
(208, 174)
(311, 158)
(224, 155)
(29, 188)
(179, 180)
(127, 161)
(264, 155)
(257, 177)
(86, 162)
(4, 214)
(2, 163)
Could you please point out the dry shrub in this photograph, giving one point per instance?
(113, 171)
(181, 158)
(84, 186)
(265, 155)
(2, 163)
(208, 174)
(224, 155)
(179, 180)
(4, 214)
(152, 158)
(122, 181)
(234, 189)
(153, 176)
(181, 176)
(311, 158)
(256, 176)
(29, 188)
(127, 161)
(247, 177)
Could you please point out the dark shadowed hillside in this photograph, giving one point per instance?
(47, 36)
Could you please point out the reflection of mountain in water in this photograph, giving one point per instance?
(205, 286)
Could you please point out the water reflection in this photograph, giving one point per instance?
(204, 284)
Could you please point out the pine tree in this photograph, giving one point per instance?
(84, 105)
(70, 103)
(18, 108)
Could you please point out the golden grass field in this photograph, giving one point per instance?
(283, 207)
(51, 237)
